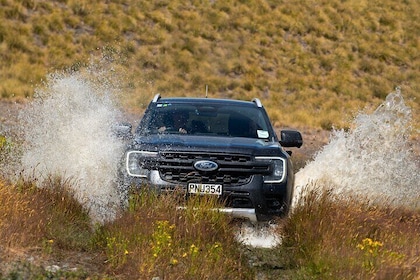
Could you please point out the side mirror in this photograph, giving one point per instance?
(122, 131)
(291, 138)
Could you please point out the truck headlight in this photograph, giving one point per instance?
(136, 161)
(279, 169)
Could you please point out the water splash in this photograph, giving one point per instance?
(261, 235)
(67, 133)
(373, 159)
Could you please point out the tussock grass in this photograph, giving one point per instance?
(325, 237)
(330, 237)
(32, 215)
(151, 239)
(155, 239)
(337, 57)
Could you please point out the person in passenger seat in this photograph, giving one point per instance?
(242, 127)
(198, 127)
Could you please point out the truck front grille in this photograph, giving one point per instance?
(234, 169)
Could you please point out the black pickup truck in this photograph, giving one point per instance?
(205, 146)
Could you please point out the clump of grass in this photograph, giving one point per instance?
(153, 238)
(334, 237)
(49, 215)
(156, 239)
(15, 204)
(43, 223)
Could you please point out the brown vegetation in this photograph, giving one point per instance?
(43, 228)
(313, 63)
(326, 237)
(337, 238)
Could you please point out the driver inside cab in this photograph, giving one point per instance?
(178, 122)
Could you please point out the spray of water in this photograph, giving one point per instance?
(258, 235)
(373, 159)
(67, 132)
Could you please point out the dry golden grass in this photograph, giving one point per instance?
(326, 237)
(155, 239)
(31, 215)
(151, 239)
(15, 231)
(313, 64)
(342, 238)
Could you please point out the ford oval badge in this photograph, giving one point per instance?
(205, 165)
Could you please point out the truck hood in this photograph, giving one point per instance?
(205, 144)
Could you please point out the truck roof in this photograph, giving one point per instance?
(254, 102)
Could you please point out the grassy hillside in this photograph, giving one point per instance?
(313, 63)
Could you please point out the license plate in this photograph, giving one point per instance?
(198, 188)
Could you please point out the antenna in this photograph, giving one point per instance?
(207, 89)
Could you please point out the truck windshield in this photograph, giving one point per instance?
(217, 120)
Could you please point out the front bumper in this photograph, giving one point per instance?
(241, 213)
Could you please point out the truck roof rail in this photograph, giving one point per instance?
(156, 98)
(257, 102)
